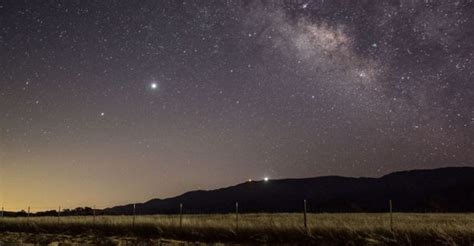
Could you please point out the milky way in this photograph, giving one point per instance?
(104, 102)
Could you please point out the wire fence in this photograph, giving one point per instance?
(181, 211)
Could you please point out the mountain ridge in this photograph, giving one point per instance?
(448, 189)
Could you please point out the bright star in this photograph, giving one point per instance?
(154, 86)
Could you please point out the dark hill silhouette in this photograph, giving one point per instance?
(438, 190)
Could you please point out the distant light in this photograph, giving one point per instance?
(154, 85)
(102, 114)
(250, 180)
(265, 179)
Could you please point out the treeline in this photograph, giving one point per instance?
(79, 211)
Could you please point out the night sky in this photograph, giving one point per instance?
(110, 102)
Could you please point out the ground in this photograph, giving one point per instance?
(323, 229)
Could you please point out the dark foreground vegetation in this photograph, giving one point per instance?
(323, 229)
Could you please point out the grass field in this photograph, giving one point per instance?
(323, 229)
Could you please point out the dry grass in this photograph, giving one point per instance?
(325, 229)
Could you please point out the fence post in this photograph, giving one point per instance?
(391, 215)
(180, 215)
(133, 219)
(305, 217)
(28, 215)
(237, 216)
(59, 213)
(93, 216)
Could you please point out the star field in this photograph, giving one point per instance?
(107, 102)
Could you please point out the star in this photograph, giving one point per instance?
(154, 85)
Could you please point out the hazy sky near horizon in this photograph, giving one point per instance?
(111, 102)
